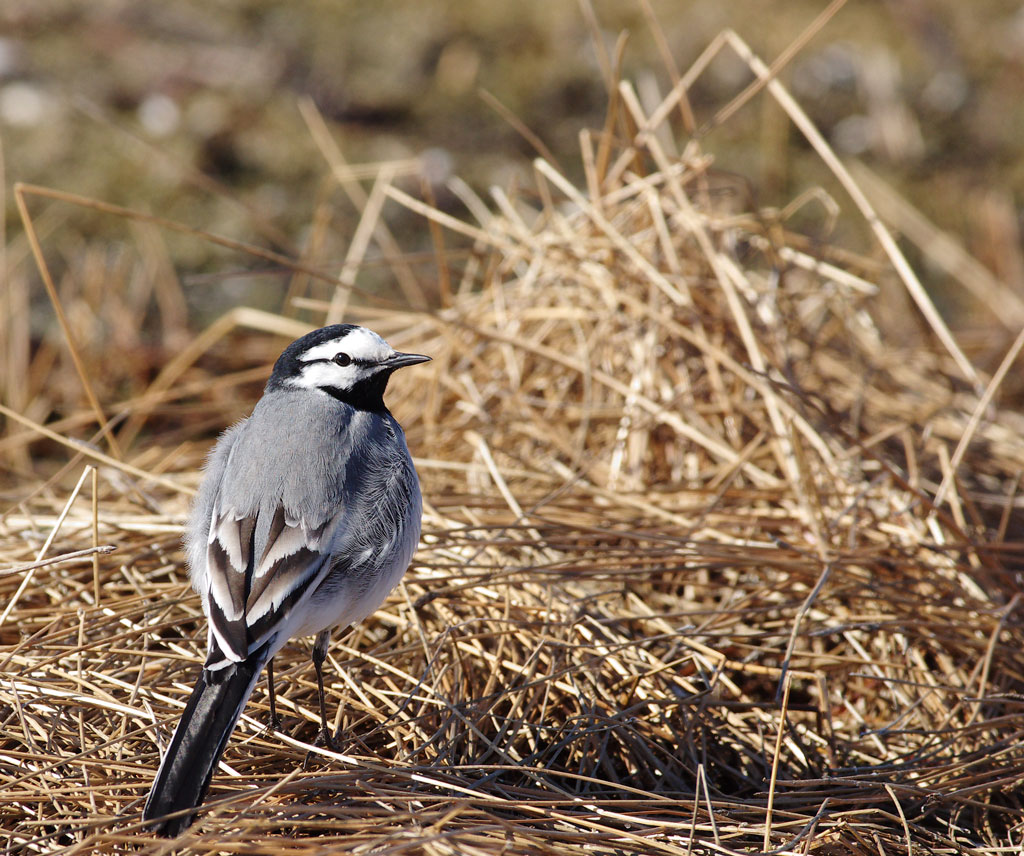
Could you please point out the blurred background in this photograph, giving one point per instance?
(191, 110)
(237, 117)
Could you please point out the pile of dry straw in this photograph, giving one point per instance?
(711, 562)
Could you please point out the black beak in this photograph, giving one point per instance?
(400, 360)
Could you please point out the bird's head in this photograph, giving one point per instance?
(349, 363)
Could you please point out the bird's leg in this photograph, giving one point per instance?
(323, 639)
(275, 721)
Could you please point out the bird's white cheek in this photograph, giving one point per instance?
(326, 374)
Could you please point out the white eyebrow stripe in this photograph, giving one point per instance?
(323, 351)
(360, 344)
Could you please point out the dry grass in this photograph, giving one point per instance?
(713, 559)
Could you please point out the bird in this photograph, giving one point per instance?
(307, 516)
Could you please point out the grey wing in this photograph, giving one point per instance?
(252, 565)
(250, 598)
(198, 528)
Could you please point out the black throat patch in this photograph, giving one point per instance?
(368, 394)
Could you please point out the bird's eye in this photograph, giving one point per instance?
(342, 359)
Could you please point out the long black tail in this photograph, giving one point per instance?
(199, 740)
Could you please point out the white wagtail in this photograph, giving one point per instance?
(307, 516)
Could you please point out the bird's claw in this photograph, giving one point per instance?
(326, 740)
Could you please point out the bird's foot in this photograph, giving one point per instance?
(326, 740)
